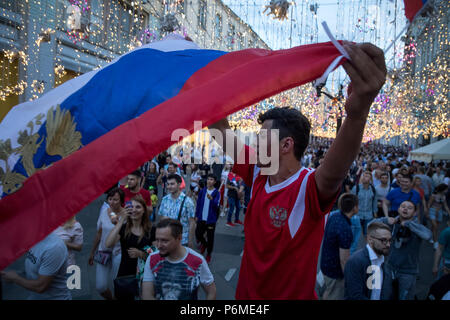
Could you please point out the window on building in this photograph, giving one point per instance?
(69, 75)
(112, 26)
(61, 14)
(154, 24)
(96, 20)
(250, 43)
(231, 35)
(10, 72)
(182, 7)
(125, 30)
(218, 26)
(13, 6)
(202, 14)
(240, 40)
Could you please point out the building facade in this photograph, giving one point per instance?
(44, 43)
(427, 54)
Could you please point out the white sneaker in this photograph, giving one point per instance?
(436, 245)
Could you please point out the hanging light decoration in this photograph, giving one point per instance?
(169, 23)
(279, 9)
(44, 36)
(78, 26)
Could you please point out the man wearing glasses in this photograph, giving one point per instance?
(403, 259)
(366, 275)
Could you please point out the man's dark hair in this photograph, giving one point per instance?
(407, 176)
(347, 202)
(174, 176)
(211, 175)
(415, 207)
(111, 193)
(440, 187)
(172, 164)
(384, 174)
(290, 123)
(375, 225)
(176, 228)
(136, 173)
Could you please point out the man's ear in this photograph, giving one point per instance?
(286, 144)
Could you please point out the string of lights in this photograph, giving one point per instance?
(413, 102)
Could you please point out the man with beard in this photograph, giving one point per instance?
(403, 259)
(366, 275)
(175, 272)
(398, 195)
(284, 222)
(134, 188)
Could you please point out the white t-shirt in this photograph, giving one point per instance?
(376, 261)
(104, 223)
(49, 258)
(206, 205)
(447, 181)
(382, 192)
(177, 280)
(73, 235)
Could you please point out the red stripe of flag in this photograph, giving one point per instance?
(412, 7)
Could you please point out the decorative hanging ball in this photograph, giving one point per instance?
(278, 8)
(169, 23)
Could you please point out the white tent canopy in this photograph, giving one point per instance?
(439, 150)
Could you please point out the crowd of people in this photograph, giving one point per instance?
(387, 205)
(158, 222)
(394, 204)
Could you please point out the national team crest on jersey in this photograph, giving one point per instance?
(278, 216)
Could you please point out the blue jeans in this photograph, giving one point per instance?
(233, 202)
(364, 223)
(356, 230)
(406, 285)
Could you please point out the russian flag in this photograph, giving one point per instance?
(62, 151)
(412, 7)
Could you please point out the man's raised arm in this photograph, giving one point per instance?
(367, 72)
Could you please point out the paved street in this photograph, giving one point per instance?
(225, 263)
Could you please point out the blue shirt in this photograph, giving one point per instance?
(396, 197)
(367, 202)
(170, 208)
(338, 234)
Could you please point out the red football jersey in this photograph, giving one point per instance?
(284, 226)
(144, 193)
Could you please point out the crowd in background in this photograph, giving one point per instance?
(383, 193)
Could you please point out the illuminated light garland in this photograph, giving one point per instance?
(421, 110)
(44, 36)
(38, 86)
(18, 89)
(60, 71)
(12, 55)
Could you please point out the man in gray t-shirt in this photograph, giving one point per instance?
(46, 271)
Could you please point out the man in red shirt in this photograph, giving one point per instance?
(134, 188)
(285, 218)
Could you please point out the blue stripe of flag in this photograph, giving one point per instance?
(124, 90)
